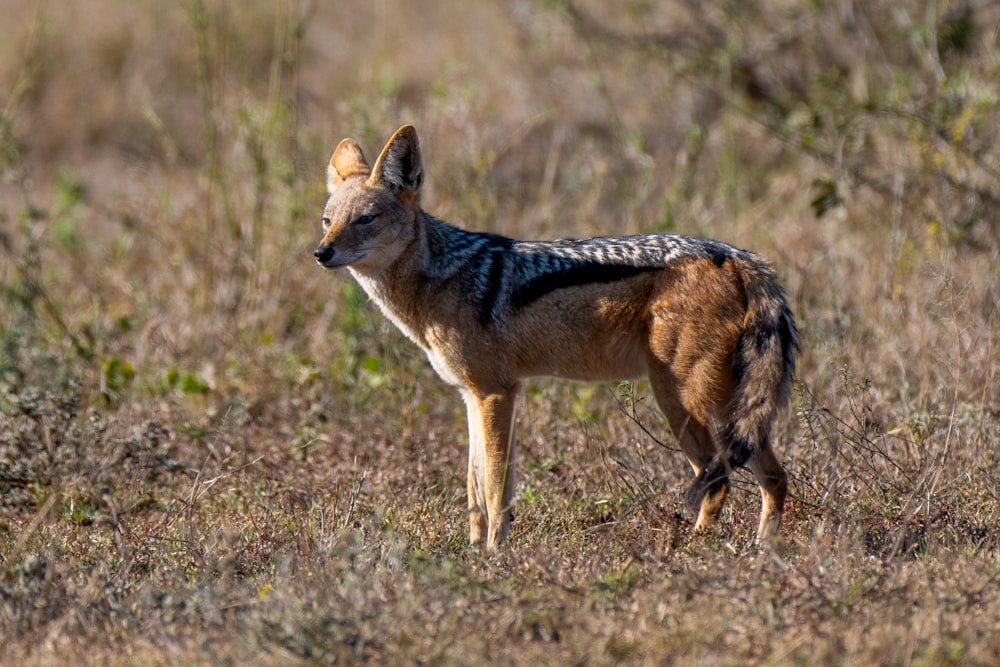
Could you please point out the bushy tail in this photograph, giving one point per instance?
(764, 364)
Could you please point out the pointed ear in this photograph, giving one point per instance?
(399, 166)
(347, 160)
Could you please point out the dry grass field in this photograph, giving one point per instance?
(214, 452)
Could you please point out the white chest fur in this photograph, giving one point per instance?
(376, 292)
(434, 349)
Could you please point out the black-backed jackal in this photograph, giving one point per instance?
(706, 322)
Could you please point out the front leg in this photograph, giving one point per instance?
(491, 465)
(477, 484)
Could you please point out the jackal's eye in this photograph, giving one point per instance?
(326, 223)
(364, 220)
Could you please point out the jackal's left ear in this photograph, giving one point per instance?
(347, 160)
(399, 166)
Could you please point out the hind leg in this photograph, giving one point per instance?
(695, 439)
(773, 482)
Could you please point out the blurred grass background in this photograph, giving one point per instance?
(211, 451)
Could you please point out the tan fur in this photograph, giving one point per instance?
(681, 325)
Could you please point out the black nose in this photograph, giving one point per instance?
(323, 254)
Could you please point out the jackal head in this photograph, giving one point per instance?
(372, 214)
